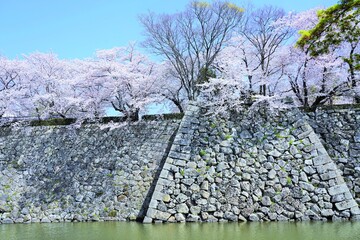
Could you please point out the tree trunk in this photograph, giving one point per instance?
(178, 105)
(133, 115)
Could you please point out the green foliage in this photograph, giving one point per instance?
(201, 4)
(235, 7)
(288, 180)
(112, 213)
(279, 136)
(205, 74)
(202, 152)
(337, 24)
(228, 136)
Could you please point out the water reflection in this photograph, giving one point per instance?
(208, 231)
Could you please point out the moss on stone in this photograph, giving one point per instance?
(112, 213)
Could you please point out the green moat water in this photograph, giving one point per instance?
(206, 231)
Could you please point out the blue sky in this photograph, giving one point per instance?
(77, 28)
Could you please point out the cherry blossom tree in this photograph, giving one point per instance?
(337, 28)
(251, 59)
(90, 88)
(260, 42)
(49, 86)
(313, 80)
(9, 81)
(44, 86)
(286, 69)
(129, 78)
(170, 91)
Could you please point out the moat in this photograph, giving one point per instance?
(225, 231)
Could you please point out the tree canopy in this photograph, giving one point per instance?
(338, 27)
(192, 39)
(337, 24)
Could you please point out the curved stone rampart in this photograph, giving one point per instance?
(261, 166)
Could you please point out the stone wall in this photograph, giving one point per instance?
(339, 130)
(261, 166)
(96, 172)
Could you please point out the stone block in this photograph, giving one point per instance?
(195, 210)
(321, 160)
(181, 198)
(182, 208)
(179, 217)
(164, 182)
(305, 199)
(183, 142)
(209, 208)
(346, 204)
(327, 212)
(282, 218)
(328, 175)
(45, 220)
(192, 218)
(180, 156)
(348, 196)
(166, 198)
(153, 204)
(305, 134)
(322, 151)
(254, 217)
(188, 181)
(354, 152)
(179, 163)
(309, 162)
(158, 196)
(274, 153)
(266, 201)
(164, 173)
(355, 211)
(330, 166)
(151, 213)
(338, 198)
(338, 189)
(205, 194)
(231, 216)
(272, 216)
(309, 170)
(7, 221)
(168, 166)
(307, 186)
(159, 188)
(313, 137)
(272, 174)
(147, 220)
(164, 216)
